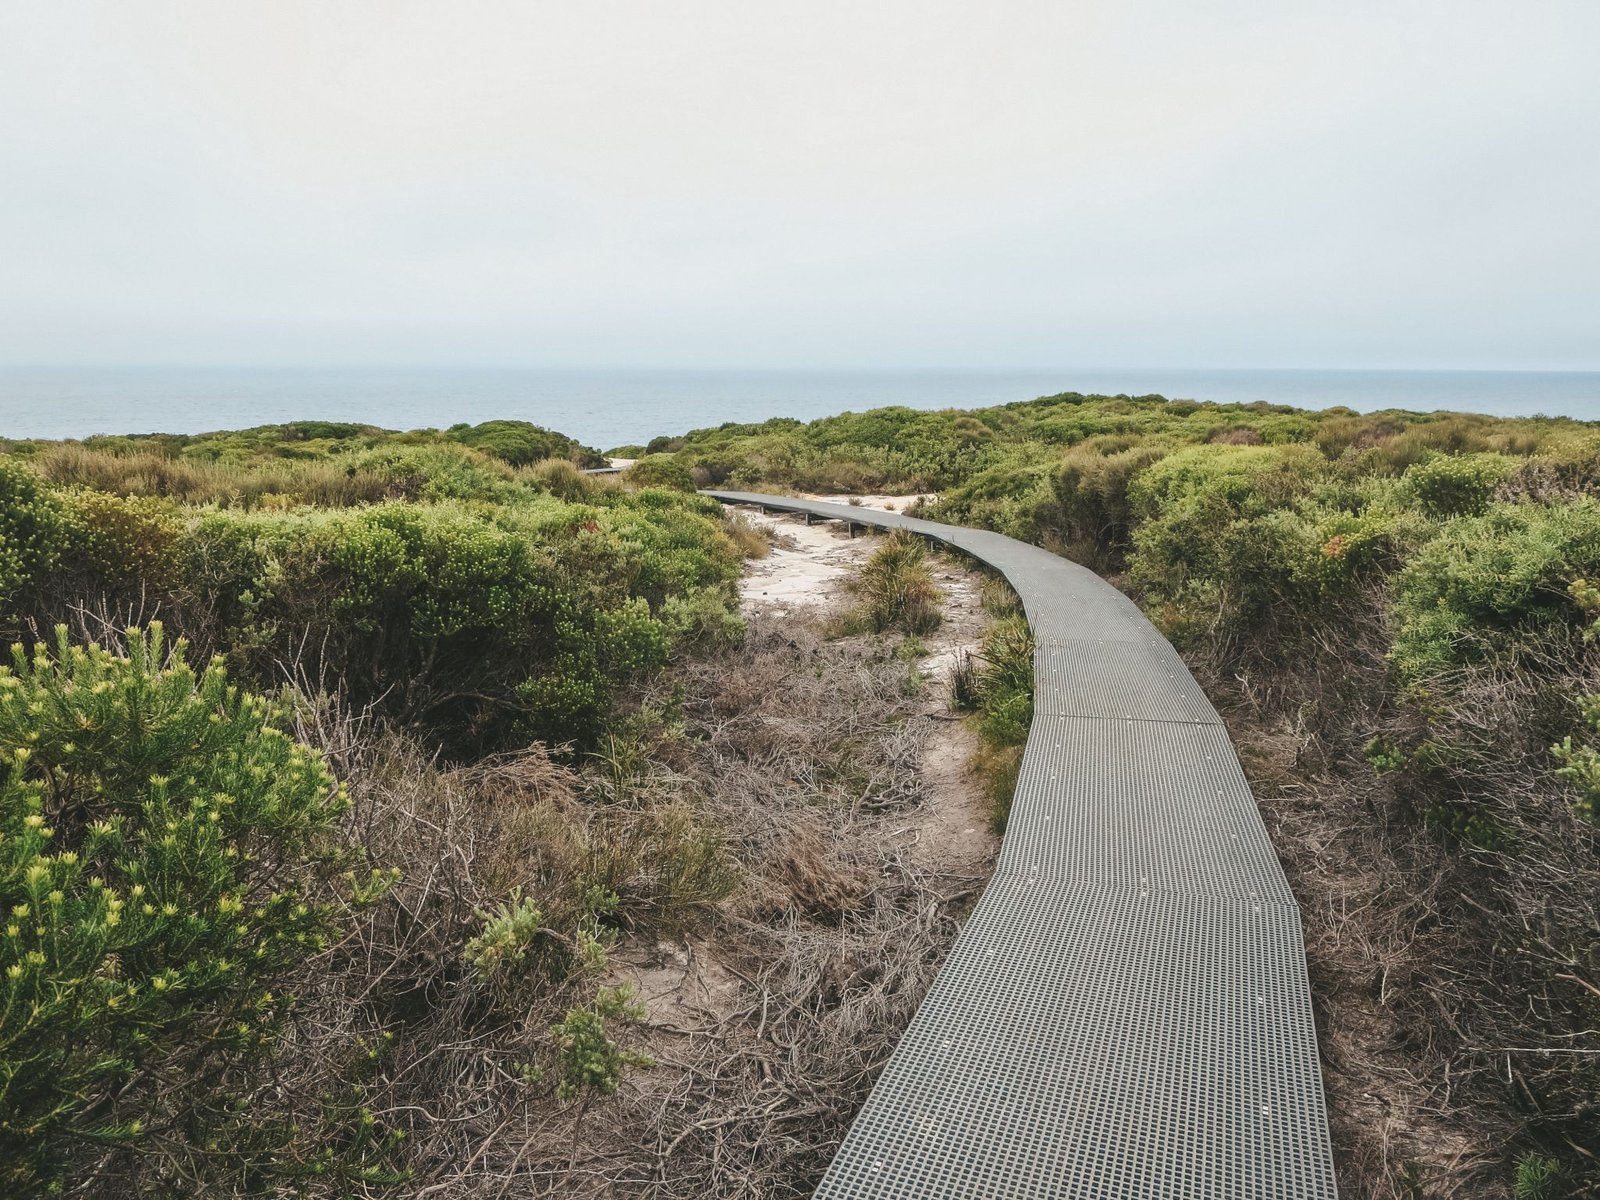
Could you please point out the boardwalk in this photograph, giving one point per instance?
(1126, 1014)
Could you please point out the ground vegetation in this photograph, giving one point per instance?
(1395, 612)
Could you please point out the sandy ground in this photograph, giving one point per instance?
(806, 573)
(806, 569)
(684, 987)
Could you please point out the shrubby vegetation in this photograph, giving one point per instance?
(1397, 609)
(996, 685)
(472, 596)
(166, 860)
(189, 892)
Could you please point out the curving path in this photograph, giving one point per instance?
(1126, 1014)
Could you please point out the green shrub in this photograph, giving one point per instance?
(591, 1059)
(1091, 512)
(1006, 497)
(521, 443)
(128, 541)
(660, 471)
(1005, 682)
(1537, 1176)
(1454, 486)
(479, 624)
(1487, 585)
(1580, 763)
(33, 528)
(505, 938)
(561, 479)
(1211, 534)
(160, 844)
(435, 473)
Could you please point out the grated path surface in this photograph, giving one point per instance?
(1127, 1012)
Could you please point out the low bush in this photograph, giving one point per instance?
(894, 589)
(561, 479)
(1457, 485)
(520, 443)
(660, 471)
(1090, 512)
(996, 685)
(33, 528)
(1494, 587)
(165, 855)
(127, 542)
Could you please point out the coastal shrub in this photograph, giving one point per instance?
(1442, 433)
(1090, 512)
(1202, 537)
(1231, 478)
(561, 479)
(1005, 682)
(660, 471)
(1457, 485)
(477, 623)
(162, 843)
(1006, 497)
(33, 527)
(750, 539)
(996, 685)
(1580, 762)
(521, 443)
(434, 473)
(1493, 585)
(127, 541)
(591, 1057)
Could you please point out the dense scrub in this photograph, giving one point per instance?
(364, 905)
(483, 604)
(247, 1004)
(1395, 610)
(171, 859)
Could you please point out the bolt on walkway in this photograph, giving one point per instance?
(1126, 1013)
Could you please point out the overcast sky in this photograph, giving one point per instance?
(746, 184)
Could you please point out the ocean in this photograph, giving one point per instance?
(605, 408)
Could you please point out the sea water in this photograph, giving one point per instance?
(606, 408)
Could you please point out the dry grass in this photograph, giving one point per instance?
(751, 539)
(256, 485)
(561, 478)
(750, 815)
(895, 590)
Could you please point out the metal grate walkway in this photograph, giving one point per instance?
(1127, 1013)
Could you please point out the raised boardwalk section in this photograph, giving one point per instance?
(1127, 1013)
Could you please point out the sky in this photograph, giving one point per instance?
(845, 185)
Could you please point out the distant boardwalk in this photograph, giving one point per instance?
(1127, 1012)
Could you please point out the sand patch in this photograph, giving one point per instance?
(682, 985)
(805, 573)
(806, 568)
